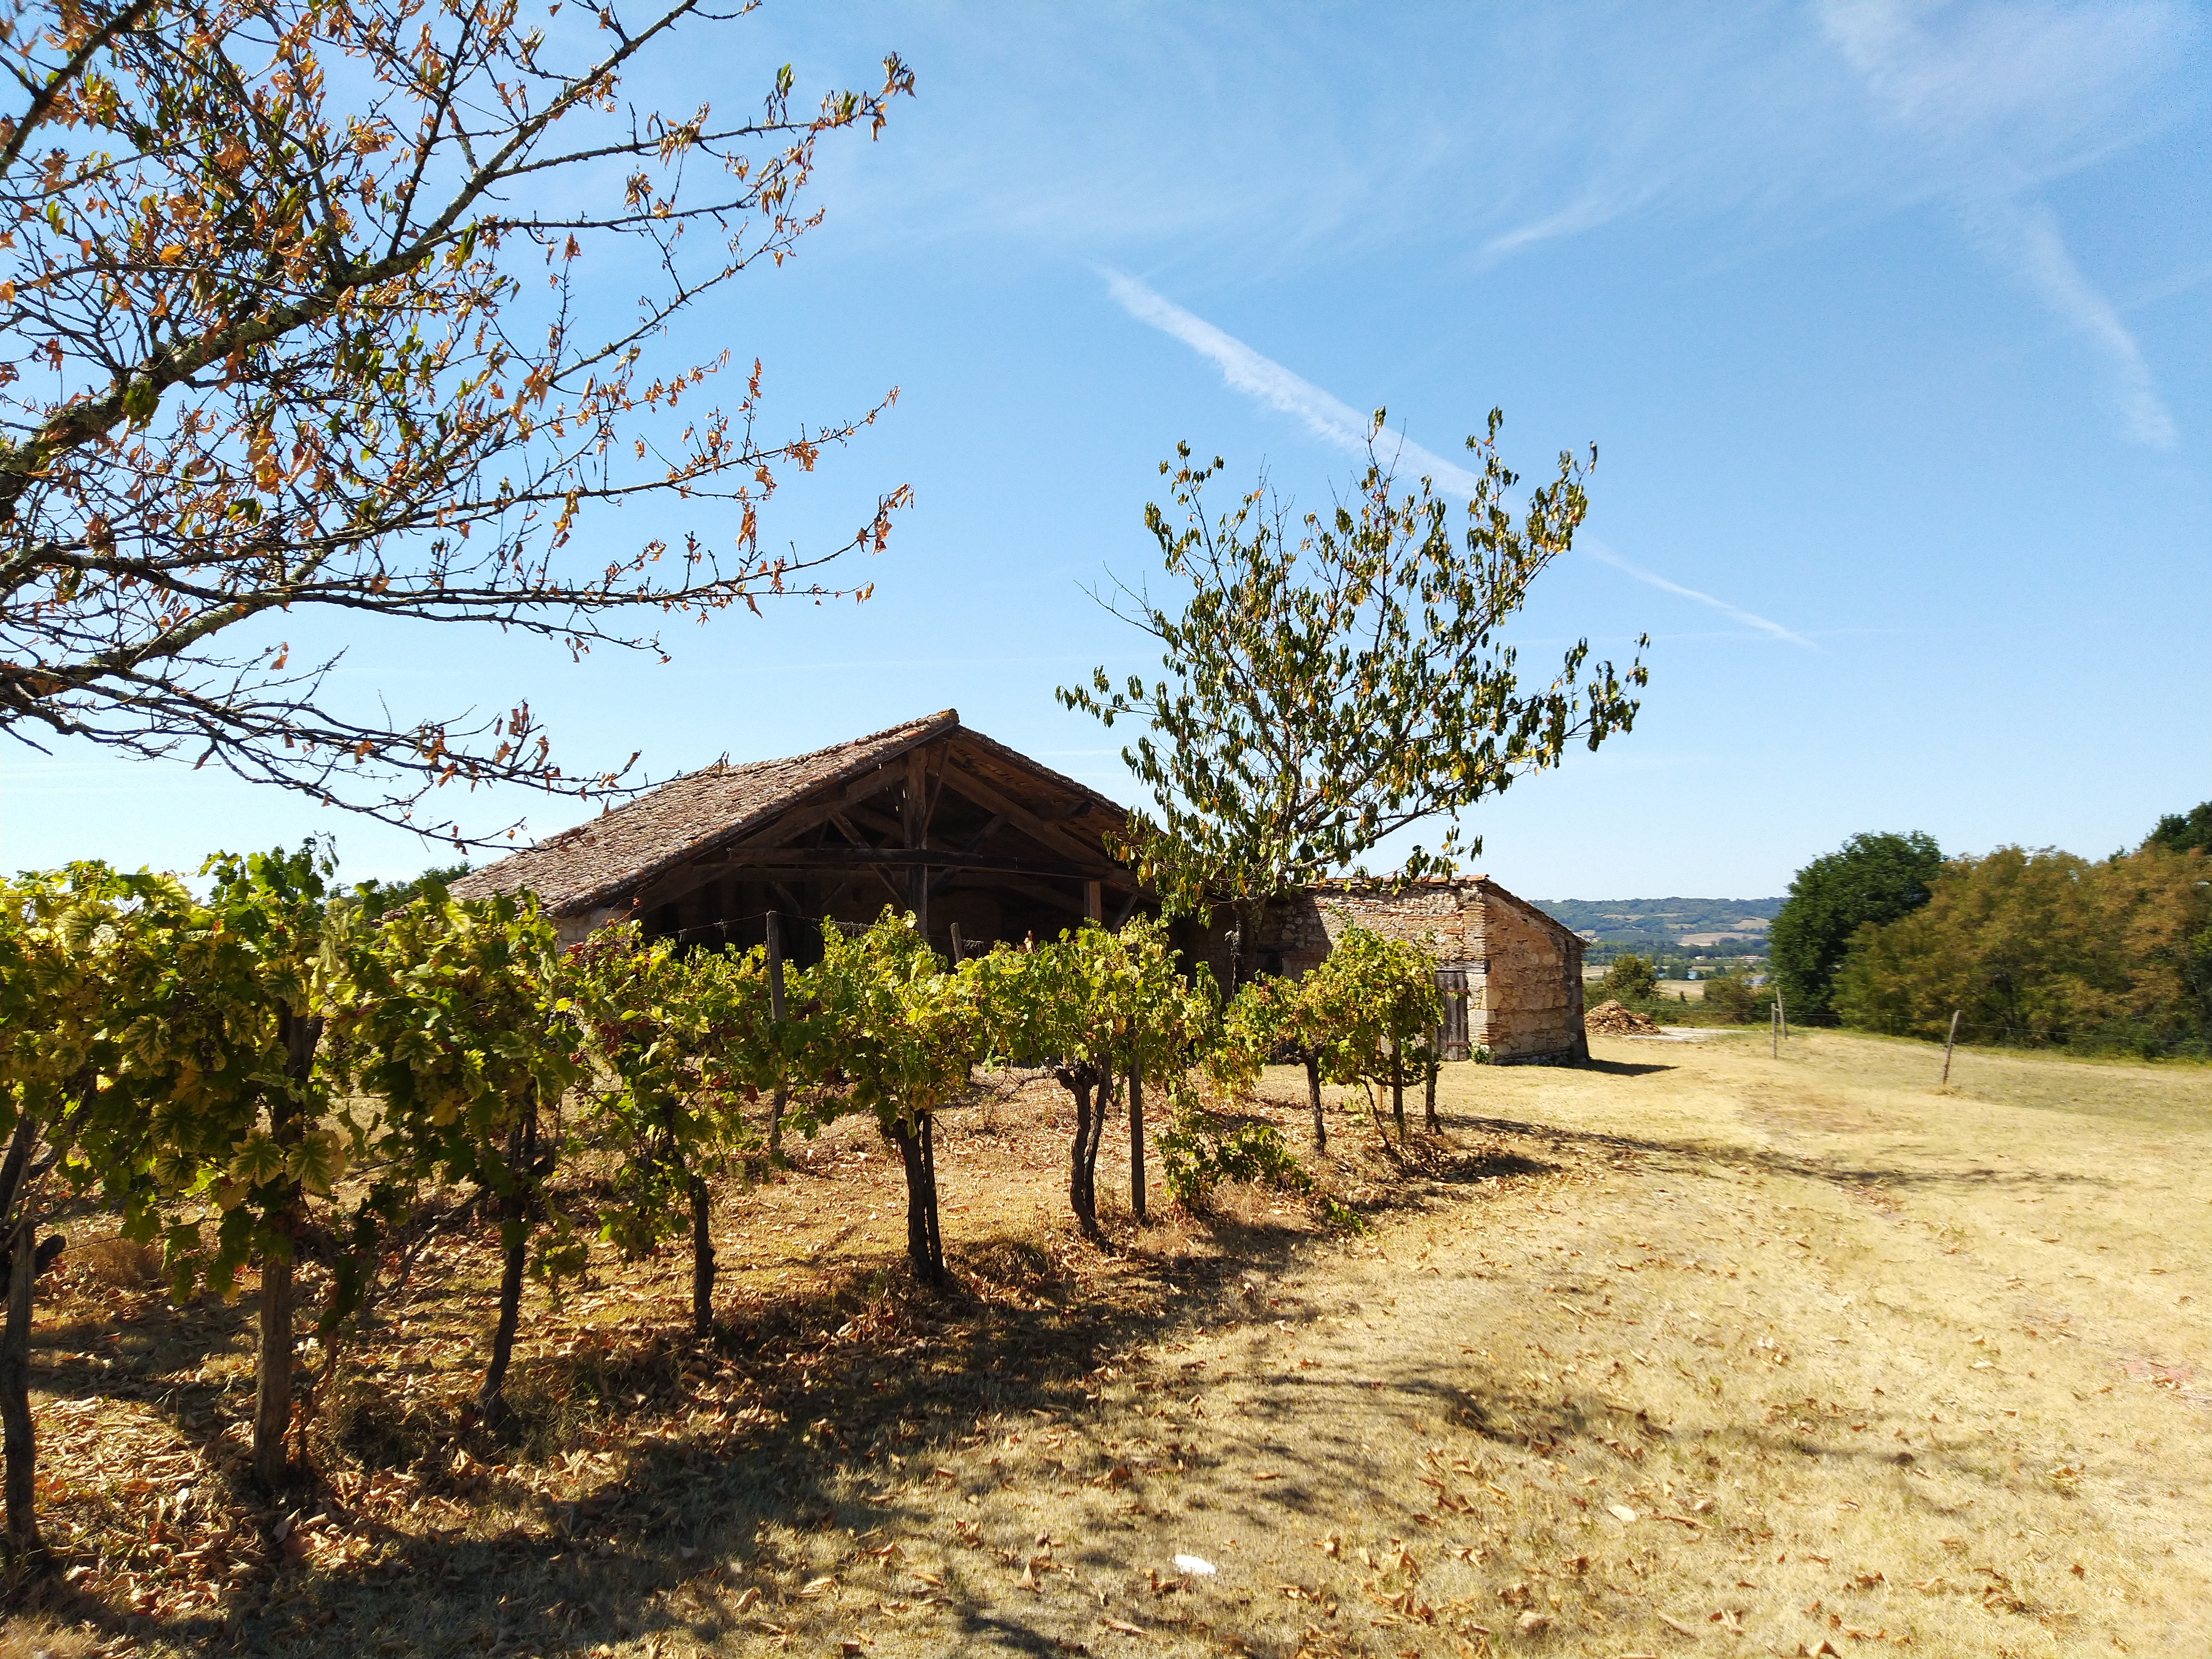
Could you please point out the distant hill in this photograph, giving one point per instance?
(1668, 927)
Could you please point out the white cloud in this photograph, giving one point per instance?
(1335, 422)
(2027, 235)
(1977, 95)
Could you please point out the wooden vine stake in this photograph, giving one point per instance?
(1136, 1142)
(1948, 1042)
(776, 1014)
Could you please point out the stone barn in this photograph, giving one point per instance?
(983, 842)
(928, 816)
(1512, 976)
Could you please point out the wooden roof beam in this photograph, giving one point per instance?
(963, 782)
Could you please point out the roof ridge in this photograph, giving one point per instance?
(659, 827)
(944, 716)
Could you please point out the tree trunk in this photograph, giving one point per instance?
(925, 1247)
(272, 1384)
(514, 1244)
(23, 1542)
(1313, 1094)
(272, 1390)
(1082, 1186)
(1398, 1097)
(935, 1212)
(702, 1260)
(491, 1399)
(22, 1539)
(1428, 1103)
(1137, 1145)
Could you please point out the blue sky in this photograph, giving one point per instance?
(1892, 325)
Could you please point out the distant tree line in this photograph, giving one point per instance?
(2039, 948)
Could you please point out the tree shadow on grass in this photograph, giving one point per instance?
(740, 1463)
(814, 1394)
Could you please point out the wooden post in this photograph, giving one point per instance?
(775, 1016)
(1774, 1026)
(1948, 1041)
(1136, 1143)
(1430, 1063)
(1781, 1011)
(956, 946)
(914, 819)
(1094, 900)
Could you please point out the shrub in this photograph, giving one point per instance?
(1630, 980)
(1197, 1161)
(1873, 878)
(1733, 997)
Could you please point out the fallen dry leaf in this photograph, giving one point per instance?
(1622, 1513)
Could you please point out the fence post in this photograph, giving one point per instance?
(1431, 1062)
(1781, 1011)
(1136, 1142)
(956, 950)
(775, 1017)
(1774, 1025)
(1948, 1041)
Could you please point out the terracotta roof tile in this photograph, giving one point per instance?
(630, 844)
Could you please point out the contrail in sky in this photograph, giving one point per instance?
(1336, 422)
(1330, 419)
(1605, 554)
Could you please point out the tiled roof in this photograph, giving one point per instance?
(616, 852)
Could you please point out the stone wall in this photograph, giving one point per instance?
(1523, 970)
(1529, 1003)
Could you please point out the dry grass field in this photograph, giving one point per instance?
(1690, 1351)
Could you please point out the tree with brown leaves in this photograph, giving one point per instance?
(296, 321)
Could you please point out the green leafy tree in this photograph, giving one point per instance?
(1197, 1161)
(1388, 1006)
(1095, 1005)
(2179, 832)
(1630, 979)
(1872, 879)
(1334, 680)
(54, 930)
(2046, 948)
(1733, 996)
(374, 897)
(679, 1037)
(903, 1035)
(1303, 1018)
(220, 1006)
(457, 1018)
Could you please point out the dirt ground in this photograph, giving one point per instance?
(1691, 1350)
